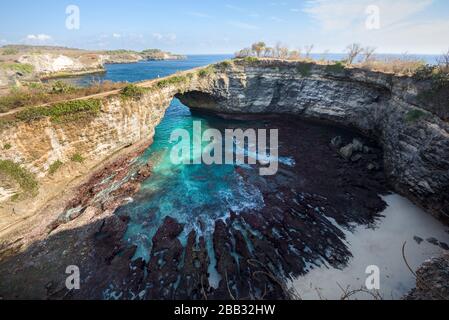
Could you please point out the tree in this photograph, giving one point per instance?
(268, 52)
(368, 53)
(258, 48)
(246, 52)
(353, 51)
(308, 50)
(294, 55)
(443, 61)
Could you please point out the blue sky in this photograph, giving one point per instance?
(213, 26)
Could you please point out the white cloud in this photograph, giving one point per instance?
(158, 36)
(38, 37)
(170, 37)
(402, 28)
(116, 35)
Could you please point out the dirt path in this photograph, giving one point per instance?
(142, 84)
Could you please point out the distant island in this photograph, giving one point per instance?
(30, 63)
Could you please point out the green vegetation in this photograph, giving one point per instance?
(224, 65)
(304, 69)
(55, 166)
(61, 87)
(7, 146)
(23, 68)
(23, 177)
(338, 67)
(9, 51)
(172, 81)
(436, 98)
(63, 111)
(414, 115)
(205, 72)
(131, 91)
(77, 157)
(37, 93)
(249, 59)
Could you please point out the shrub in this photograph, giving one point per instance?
(55, 166)
(77, 158)
(10, 51)
(62, 111)
(131, 91)
(23, 177)
(23, 68)
(304, 69)
(60, 87)
(338, 67)
(173, 80)
(7, 146)
(205, 72)
(414, 115)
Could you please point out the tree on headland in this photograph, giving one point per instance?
(353, 51)
(443, 61)
(258, 48)
(308, 50)
(368, 53)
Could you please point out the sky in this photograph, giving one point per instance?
(225, 26)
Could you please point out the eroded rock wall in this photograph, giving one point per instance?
(383, 106)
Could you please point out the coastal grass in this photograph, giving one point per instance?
(337, 67)
(23, 68)
(435, 98)
(54, 167)
(304, 69)
(77, 157)
(38, 93)
(131, 91)
(414, 115)
(206, 72)
(20, 175)
(172, 81)
(63, 111)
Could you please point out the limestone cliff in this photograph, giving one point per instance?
(389, 108)
(414, 136)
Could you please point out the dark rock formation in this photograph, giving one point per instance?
(416, 151)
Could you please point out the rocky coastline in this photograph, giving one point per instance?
(389, 151)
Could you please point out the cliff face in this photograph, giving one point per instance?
(386, 107)
(415, 138)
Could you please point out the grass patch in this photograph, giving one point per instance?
(63, 111)
(43, 93)
(435, 99)
(338, 67)
(172, 81)
(205, 72)
(77, 157)
(414, 115)
(54, 167)
(304, 69)
(132, 91)
(225, 65)
(9, 51)
(250, 59)
(23, 68)
(7, 146)
(23, 177)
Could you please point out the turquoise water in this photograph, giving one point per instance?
(195, 195)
